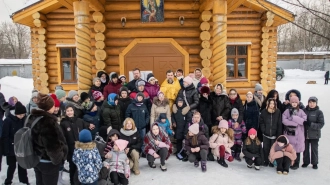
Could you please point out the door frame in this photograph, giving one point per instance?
(153, 41)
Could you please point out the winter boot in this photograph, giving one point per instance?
(237, 157)
(163, 168)
(203, 165)
(257, 167)
(315, 166)
(196, 163)
(222, 162)
(304, 165)
(249, 166)
(152, 164)
(210, 156)
(295, 166)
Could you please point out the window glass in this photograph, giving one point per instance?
(237, 61)
(241, 67)
(230, 67)
(65, 52)
(231, 50)
(241, 50)
(66, 65)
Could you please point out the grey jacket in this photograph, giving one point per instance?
(118, 162)
(30, 106)
(314, 123)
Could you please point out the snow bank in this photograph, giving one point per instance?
(15, 61)
(17, 86)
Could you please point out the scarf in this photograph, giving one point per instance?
(152, 139)
(75, 104)
(108, 147)
(139, 104)
(128, 132)
(232, 101)
(278, 148)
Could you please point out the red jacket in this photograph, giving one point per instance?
(111, 88)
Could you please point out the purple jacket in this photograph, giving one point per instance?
(238, 132)
(152, 90)
(297, 140)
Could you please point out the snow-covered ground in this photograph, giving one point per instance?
(237, 173)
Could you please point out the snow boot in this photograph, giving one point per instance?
(152, 164)
(222, 162)
(315, 166)
(257, 167)
(249, 166)
(163, 168)
(203, 165)
(196, 163)
(210, 156)
(304, 165)
(238, 158)
(295, 166)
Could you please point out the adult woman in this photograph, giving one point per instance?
(251, 112)
(130, 134)
(258, 94)
(288, 95)
(104, 77)
(236, 102)
(273, 94)
(73, 100)
(151, 87)
(160, 105)
(220, 105)
(157, 145)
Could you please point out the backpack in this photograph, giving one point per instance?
(23, 146)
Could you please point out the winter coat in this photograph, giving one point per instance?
(112, 88)
(123, 104)
(99, 74)
(2, 101)
(251, 115)
(219, 139)
(78, 108)
(47, 137)
(94, 118)
(6, 107)
(270, 123)
(71, 128)
(220, 107)
(259, 100)
(146, 99)
(287, 151)
(88, 161)
(111, 116)
(287, 97)
(94, 88)
(152, 90)
(139, 114)
(202, 142)
(166, 127)
(10, 126)
(314, 123)
(159, 107)
(238, 132)
(326, 76)
(171, 90)
(297, 122)
(190, 95)
(30, 106)
(253, 150)
(205, 108)
(179, 117)
(237, 103)
(109, 143)
(279, 104)
(118, 162)
(202, 128)
(131, 85)
(134, 140)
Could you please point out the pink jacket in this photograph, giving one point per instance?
(287, 151)
(217, 140)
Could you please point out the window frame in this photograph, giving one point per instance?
(72, 60)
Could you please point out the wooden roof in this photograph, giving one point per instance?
(24, 16)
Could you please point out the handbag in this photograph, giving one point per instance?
(290, 130)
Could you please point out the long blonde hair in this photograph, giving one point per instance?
(129, 120)
(248, 141)
(229, 131)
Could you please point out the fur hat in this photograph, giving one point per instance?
(162, 116)
(258, 87)
(72, 93)
(252, 131)
(150, 76)
(96, 95)
(112, 98)
(45, 102)
(60, 94)
(194, 128)
(313, 98)
(282, 139)
(85, 136)
(205, 89)
(140, 83)
(89, 106)
(223, 124)
(204, 81)
(96, 79)
(122, 76)
(234, 111)
(84, 96)
(34, 94)
(188, 79)
(294, 99)
(56, 102)
(122, 144)
(19, 108)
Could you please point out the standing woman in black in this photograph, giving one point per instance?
(236, 102)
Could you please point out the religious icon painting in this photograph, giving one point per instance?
(152, 11)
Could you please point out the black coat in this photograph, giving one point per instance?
(71, 128)
(6, 107)
(220, 107)
(133, 138)
(271, 123)
(2, 101)
(202, 142)
(181, 121)
(191, 95)
(205, 108)
(99, 74)
(111, 116)
(251, 115)
(253, 150)
(124, 103)
(10, 126)
(139, 114)
(314, 123)
(78, 108)
(326, 76)
(47, 137)
(238, 104)
(131, 86)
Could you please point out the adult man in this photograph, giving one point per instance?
(179, 76)
(198, 76)
(326, 78)
(136, 75)
(170, 87)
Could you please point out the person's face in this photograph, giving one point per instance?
(223, 130)
(163, 120)
(180, 104)
(94, 109)
(51, 110)
(161, 97)
(56, 110)
(123, 94)
(280, 144)
(152, 82)
(170, 76)
(141, 88)
(205, 95)
(34, 99)
(294, 104)
(15, 100)
(123, 80)
(232, 95)
(114, 137)
(259, 92)
(178, 74)
(271, 105)
(234, 116)
(104, 77)
(292, 94)
(185, 84)
(69, 112)
(20, 116)
(136, 74)
(190, 134)
(115, 80)
(312, 104)
(115, 148)
(218, 90)
(252, 136)
(129, 125)
(75, 98)
(140, 98)
(196, 119)
(198, 74)
(249, 98)
(275, 96)
(155, 130)
(97, 83)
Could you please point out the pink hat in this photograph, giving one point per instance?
(194, 128)
(223, 124)
(97, 95)
(252, 131)
(294, 99)
(159, 92)
(188, 79)
(204, 81)
(122, 144)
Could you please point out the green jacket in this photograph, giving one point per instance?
(111, 116)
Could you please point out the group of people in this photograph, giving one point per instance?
(103, 133)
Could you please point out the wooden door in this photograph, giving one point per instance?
(143, 63)
(162, 64)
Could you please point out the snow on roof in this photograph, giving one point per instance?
(15, 61)
(306, 53)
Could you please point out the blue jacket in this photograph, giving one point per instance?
(94, 118)
(166, 127)
(139, 114)
(88, 161)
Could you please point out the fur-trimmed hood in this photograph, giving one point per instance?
(85, 146)
(157, 102)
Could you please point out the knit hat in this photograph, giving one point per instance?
(122, 76)
(150, 77)
(34, 94)
(294, 99)
(204, 81)
(282, 139)
(205, 89)
(223, 124)
(122, 144)
(89, 106)
(249, 93)
(58, 87)
(252, 131)
(56, 102)
(45, 102)
(72, 93)
(194, 128)
(123, 88)
(140, 83)
(313, 98)
(11, 101)
(234, 111)
(258, 87)
(96, 79)
(162, 116)
(188, 79)
(85, 136)
(60, 94)
(96, 95)
(112, 98)
(139, 94)
(83, 96)
(159, 93)
(179, 99)
(19, 108)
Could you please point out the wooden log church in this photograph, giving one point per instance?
(234, 42)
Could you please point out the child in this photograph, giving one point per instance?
(61, 96)
(98, 98)
(283, 153)
(113, 136)
(197, 146)
(313, 126)
(87, 159)
(124, 101)
(251, 112)
(111, 112)
(205, 106)
(165, 124)
(117, 162)
(221, 141)
(92, 116)
(239, 130)
(123, 80)
(96, 87)
(32, 104)
(293, 120)
(73, 100)
(151, 87)
(252, 150)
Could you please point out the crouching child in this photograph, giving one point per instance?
(252, 150)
